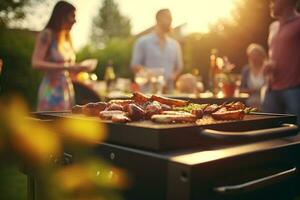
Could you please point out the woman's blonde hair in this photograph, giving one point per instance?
(256, 47)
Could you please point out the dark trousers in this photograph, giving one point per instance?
(285, 101)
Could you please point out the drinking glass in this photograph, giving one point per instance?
(142, 78)
(157, 80)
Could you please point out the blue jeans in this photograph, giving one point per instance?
(283, 101)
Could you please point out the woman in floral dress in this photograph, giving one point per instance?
(54, 55)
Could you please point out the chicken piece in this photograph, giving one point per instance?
(211, 108)
(135, 112)
(115, 106)
(224, 114)
(118, 118)
(169, 118)
(108, 114)
(169, 101)
(140, 98)
(77, 109)
(152, 109)
(93, 109)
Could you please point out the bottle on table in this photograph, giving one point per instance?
(109, 76)
(216, 63)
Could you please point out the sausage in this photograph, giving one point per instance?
(228, 115)
(169, 101)
(140, 98)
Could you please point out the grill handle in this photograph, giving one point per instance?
(283, 130)
(256, 184)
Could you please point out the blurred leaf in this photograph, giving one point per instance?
(84, 132)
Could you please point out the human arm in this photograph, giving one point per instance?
(42, 46)
(178, 63)
(137, 61)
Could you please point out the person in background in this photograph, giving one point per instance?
(283, 67)
(252, 79)
(158, 50)
(54, 55)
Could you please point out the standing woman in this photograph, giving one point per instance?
(55, 56)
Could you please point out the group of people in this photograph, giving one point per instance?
(273, 78)
(278, 70)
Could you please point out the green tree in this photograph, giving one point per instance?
(13, 10)
(250, 23)
(109, 23)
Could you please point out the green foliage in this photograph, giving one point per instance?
(109, 23)
(250, 24)
(12, 10)
(17, 75)
(117, 49)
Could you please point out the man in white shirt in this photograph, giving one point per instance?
(157, 51)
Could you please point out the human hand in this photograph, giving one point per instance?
(268, 67)
(89, 64)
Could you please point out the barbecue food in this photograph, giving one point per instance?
(77, 109)
(93, 109)
(162, 110)
(115, 106)
(224, 114)
(211, 109)
(120, 118)
(140, 98)
(198, 113)
(121, 102)
(169, 101)
(107, 115)
(173, 118)
(135, 112)
(153, 108)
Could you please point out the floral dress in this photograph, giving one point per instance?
(56, 91)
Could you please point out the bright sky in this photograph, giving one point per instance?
(198, 14)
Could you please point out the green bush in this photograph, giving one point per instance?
(119, 50)
(18, 77)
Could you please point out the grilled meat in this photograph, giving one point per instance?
(120, 118)
(135, 112)
(107, 115)
(115, 106)
(211, 108)
(121, 102)
(198, 113)
(224, 114)
(152, 109)
(169, 101)
(140, 98)
(77, 109)
(93, 109)
(169, 118)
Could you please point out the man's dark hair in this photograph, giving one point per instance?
(161, 12)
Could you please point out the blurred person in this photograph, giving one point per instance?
(283, 68)
(158, 50)
(186, 83)
(54, 55)
(252, 79)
